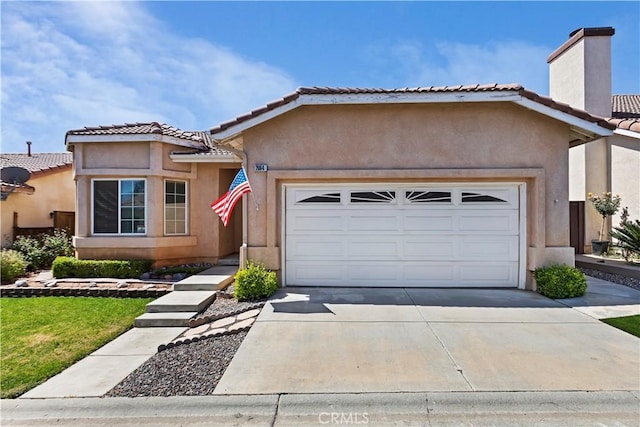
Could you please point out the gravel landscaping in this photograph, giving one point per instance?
(185, 370)
(615, 278)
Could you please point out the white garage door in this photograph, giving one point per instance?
(399, 235)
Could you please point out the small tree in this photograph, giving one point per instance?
(606, 205)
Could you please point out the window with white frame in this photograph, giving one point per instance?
(175, 207)
(119, 206)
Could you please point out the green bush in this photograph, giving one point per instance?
(255, 282)
(628, 237)
(12, 265)
(560, 281)
(71, 267)
(40, 251)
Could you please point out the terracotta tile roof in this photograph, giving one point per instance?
(38, 162)
(143, 129)
(631, 124)
(513, 87)
(625, 106)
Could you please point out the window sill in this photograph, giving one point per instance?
(133, 241)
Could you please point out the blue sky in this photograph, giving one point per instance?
(66, 65)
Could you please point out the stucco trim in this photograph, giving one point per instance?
(81, 139)
(134, 242)
(199, 158)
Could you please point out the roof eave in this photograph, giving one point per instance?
(582, 130)
(199, 158)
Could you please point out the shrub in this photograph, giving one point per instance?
(71, 267)
(255, 282)
(12, 265)
(40, 251)
(628, 236)
(560, 281)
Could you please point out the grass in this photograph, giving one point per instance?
(41, 336)
(630, 324)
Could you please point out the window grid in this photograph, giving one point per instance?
(175, 207)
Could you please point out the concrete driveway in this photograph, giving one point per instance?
(342, 340)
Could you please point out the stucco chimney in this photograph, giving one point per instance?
(29, 148)
(580, 71)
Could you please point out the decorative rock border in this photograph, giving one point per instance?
(229, 323)
(82, 292)
(208, 319)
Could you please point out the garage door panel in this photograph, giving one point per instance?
(489, 247)
(431, 221)
(367, 273)
(310, 222)
(428, 272)
(495, 274)
(331, 273)
(438, 247)
(373, 247)
(489, 221)
(314, 246)
(373, 223)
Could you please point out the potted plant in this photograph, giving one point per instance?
(606, 205)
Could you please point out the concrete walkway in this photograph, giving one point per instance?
(103, 369)
(350, 340)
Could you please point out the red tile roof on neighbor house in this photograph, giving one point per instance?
(143, 129)
(494, 87)
(37, 163)
(625, 112)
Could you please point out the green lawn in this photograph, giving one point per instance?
(41, 336)
(630, 324)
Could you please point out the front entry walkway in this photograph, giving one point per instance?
(343, 340)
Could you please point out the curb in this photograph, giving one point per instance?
(82, 292)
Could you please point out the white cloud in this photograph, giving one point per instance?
(448, 63)
(72, 64)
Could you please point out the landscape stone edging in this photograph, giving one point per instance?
(194, 323)
(82, 292)
(163, 347)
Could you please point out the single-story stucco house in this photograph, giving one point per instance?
(46, 201)
(464, 186)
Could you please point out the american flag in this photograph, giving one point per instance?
(224, 205)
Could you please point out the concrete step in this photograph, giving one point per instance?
(212, 279)
(175, 319)
(181, 301)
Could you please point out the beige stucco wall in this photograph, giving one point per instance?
(54, 191)
(419, 143)
(150, 160)
(608, 164)
(625, 173)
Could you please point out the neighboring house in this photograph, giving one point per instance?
(46, 201)
(580, 75)
(436, 186)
